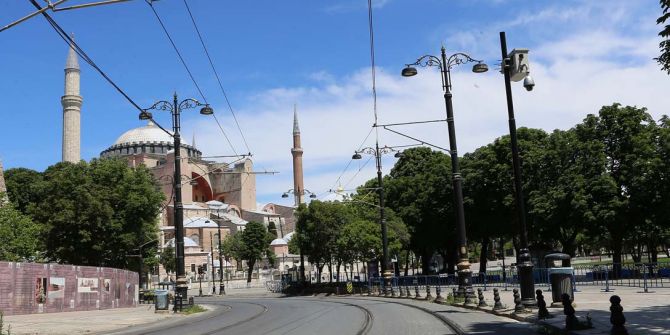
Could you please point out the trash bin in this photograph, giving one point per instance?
(161, 300)
(560, 277)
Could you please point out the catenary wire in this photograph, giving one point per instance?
(174, 46)
(216, 74)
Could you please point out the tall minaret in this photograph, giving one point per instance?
(3, 188)
(296, 151)
(71, 102)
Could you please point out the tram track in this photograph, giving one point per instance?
(368, 318)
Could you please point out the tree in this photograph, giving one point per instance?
(23, 187)
(272, 229)
(19, 236)
(317, 229)
(562, 202)
(419, 190)
(664, 59)
(622, 192)
(97, 213)
(168, 260)
(254, 244)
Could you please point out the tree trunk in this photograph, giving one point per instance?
(330, 271)
(337, 280)
(406, 262)
(250, 269)
(452, 257)
(616, 257)
(486, 241)
(425, 262)
(319, 266)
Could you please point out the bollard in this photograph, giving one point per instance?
(438, 295)
(571, 322)
(393, 293)
(416, 291)
(480, 296)
(542, 312)
(496, 297)
(454, 293)
(518, 306)
(402, 292)
(646, 290)
(617, 319)
(429, 297)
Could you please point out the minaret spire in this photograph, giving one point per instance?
(296, 151)
(296, 128)
(71, 102)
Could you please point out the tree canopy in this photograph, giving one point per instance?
(91, 213)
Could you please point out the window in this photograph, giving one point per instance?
(192, 267)
(195, 238)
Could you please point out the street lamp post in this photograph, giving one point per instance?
(378, 152)
(523, 259)
(222, 287)
(211, 251)
(175, 109)
(445, 65)
(299, 196)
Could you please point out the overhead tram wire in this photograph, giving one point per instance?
(337, 181)
(216, 74)
(86, 58)
(183, 62)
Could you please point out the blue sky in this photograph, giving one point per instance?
(273, 54)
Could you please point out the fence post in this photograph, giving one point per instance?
(644, 269)
(607, 280)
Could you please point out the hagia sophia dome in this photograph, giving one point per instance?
(148, 139)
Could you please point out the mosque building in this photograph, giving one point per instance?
(213, 193)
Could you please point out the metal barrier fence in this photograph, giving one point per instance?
(643, 275)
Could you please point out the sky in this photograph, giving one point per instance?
(272, 55)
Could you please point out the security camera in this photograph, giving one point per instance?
(528, 83)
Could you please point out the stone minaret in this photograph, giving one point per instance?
(71, 102)
(3, 187)
(296, 151)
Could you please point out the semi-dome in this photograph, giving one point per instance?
(146, 134)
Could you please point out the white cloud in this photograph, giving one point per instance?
(576, 73)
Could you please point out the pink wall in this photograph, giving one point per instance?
(27, 288)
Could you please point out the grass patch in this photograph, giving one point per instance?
(2, 326)
(193, 309)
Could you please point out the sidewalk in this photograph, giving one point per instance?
(84, 322)
(646, 313)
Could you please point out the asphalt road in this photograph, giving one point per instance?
(300, 315)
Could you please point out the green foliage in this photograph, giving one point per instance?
(2, 326)
(252, 244)
(664, 59)
(96, 213)
(167, 259)
(419, 190)
(19, 236)
(23, 187)
(193, 309)
(272, 229)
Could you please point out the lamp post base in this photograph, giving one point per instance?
(388, 275)
(465, 282)
(526, 280)
(181, 293)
